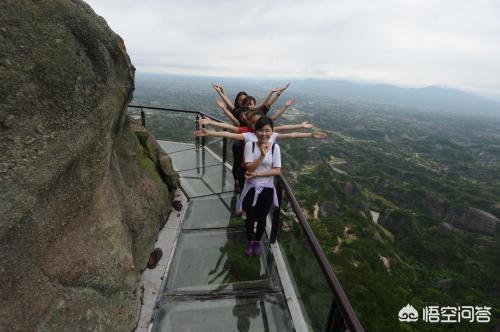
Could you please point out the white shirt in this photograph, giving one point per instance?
(272, 159)
(251, 137)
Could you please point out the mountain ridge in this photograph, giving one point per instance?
(434, 97)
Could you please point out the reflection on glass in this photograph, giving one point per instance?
(171, 147)
(212, 212)
(169, 126)
(206, 181)
(214, 261)
(267, 312)
(185, 156)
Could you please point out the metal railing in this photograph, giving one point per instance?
(198, 115)
(341, 314)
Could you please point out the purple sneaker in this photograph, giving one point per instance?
(248, 249)
(256, 248)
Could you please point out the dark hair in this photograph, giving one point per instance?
(248, 100)
(236, 103)
(237, 112)
(254, 112)
(263, 121)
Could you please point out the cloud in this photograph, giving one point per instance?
(406, 42)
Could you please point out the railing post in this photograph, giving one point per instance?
(276, 213)
(143, 118)
(203, 138)
(197, 127)
(224, 149)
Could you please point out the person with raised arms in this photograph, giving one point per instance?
(225, 103)
(263, 162)
(246, 134)
(250, 136)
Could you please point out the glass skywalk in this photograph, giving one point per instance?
(210, 284)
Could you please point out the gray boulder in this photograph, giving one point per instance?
(84, 189)
(467, 219)
(474, 220)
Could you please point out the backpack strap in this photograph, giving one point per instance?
(253, 146)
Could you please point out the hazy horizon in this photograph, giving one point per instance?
(404, 43)
(431, 98)
(285, 80)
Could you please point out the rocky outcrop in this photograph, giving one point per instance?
(327, 208)
(468, 219)
(474, 220)
(84, 189)
(399, 222)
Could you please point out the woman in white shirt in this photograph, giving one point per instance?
(263, 163)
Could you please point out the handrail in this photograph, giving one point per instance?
(340, 299)
(350, 317)
(175, 110)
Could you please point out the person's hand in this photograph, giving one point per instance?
(217, 88)
(319, 134)
(284, 88)
(306, 124)
(289, 102)
(281, 89)
(249, 175)
(264, 148)
(200, 133)
(204, 121)
(220, 103)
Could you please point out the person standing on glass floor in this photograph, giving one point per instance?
(263, 162)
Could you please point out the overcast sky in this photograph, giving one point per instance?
(404, 42)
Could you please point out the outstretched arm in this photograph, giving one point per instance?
(205, 132)
(223, 125)
(268, 98)
(316, 134)
(220, 90)
(287, 104)
(227, 112)
(274, 95)
(303, 125)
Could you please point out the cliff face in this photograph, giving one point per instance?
(84, 189)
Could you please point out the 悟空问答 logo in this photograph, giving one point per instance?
(408, 314)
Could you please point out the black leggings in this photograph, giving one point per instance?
(237, 160)
(258, 212)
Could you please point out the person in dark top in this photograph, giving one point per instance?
(272, 96)
(228, 104)
(236, 111)
(251, 117)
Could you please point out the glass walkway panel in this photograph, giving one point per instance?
(213, 262)
(210, 284)
(212, 211)
(265, 312)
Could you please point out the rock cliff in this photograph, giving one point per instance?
(84, 189)
(468, 219)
